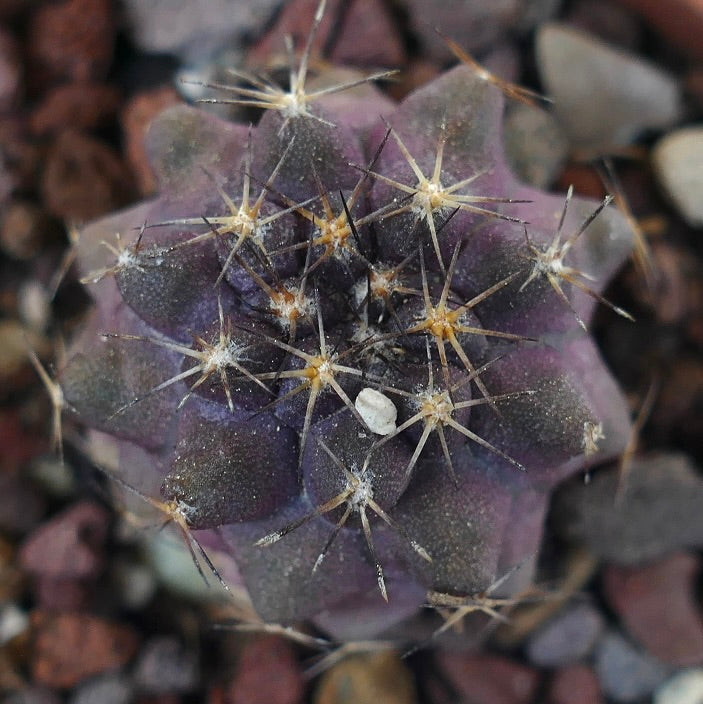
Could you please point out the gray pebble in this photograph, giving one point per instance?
(136, 584)
(535, 145)
(194, 29)
(31, 695)
(626, 673)
(535, 12)
(109, 689)
(659, 512)
(165, 666)
(603, 97)
(567, 638)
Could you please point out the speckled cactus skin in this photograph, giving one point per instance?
(238, 476)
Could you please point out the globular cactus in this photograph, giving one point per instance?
(346, 349)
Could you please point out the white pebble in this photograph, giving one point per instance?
(678, 164)
(377, 410)
(13, 622)
(686, 687)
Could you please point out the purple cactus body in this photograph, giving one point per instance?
(220, 396)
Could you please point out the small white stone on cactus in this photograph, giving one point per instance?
(378, 411)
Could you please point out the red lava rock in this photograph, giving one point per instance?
(577, 684)
(490, 679)
(680, 21)
(10, 71)
(69, 648)
(136, 118)
(657, 606)
(18, 442)
(71, 40)
(267, 673)
(70, 545)
(59, 595)
(84, 178)
(583, 178)
(83, 105)
(369, 37)
(378, 45)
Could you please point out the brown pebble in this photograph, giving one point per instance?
(84, 178)
(607, 21)
(10, 71)
(657, 605)
(490, 679)
(16, 372)
(577, 684)
(21, 505)
(19, 158)
(680, 395)
(84, 105)
(11, 577)
(267, 673)
(367, 679)
(415, 75)
(71, 40)
(10, 8)
(136, 118)
(70, 545)
(69, 648)
(474, 25)
(694, 86)
(676, 289)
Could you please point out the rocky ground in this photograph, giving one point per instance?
(84, 613)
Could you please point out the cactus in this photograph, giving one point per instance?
(345, 351)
